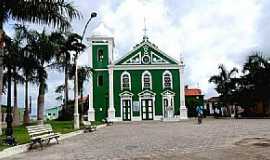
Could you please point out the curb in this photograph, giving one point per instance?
(24, 147)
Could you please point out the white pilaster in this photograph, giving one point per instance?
(183, 108)
(91, 111)
(111, 110)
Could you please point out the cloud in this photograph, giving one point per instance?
(207, 33)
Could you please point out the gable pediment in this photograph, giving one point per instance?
(126, 94)
(146, 53)
(147, 93)
(167, 92)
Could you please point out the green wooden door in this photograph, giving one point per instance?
(126, 110)
(147, 109)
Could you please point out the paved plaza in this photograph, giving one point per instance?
(217, 139)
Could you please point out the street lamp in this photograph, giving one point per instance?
(9, 130)
(76, 109)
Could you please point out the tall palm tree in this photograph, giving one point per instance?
(83, 76)
(67, 43)
(224, 83)
(13, 65)
(57, 13)
(16, 66)
(43, 49)
(28, 66)
(28, 69)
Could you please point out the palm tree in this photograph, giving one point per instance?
(57, 13)
(256, 78)
(67, 43)
(16, 66)
(83, 76)
(224, 83)
(29, 67)
(43, 49)
(12, 62)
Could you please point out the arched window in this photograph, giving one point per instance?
(146, 80)
(125, 81)
(167, 80)
(100, 55)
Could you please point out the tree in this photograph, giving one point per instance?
(224, 83)
(57, 13)
(12, 64)
(42, 48)
(67, 43)
(59, 90)
(83, 76)
(254, 85)
(16, 67)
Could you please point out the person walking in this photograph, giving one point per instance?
(199, 111)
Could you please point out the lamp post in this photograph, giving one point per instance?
(9, 119)
(2, 34)
(76, 109)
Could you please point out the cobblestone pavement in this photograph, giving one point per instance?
(214, 139)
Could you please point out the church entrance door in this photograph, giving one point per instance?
(126, 110)
(147, 109)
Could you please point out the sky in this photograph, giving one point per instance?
(206, 33)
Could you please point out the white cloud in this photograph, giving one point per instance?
(206, 32)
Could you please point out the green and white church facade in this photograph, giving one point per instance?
(145, 84)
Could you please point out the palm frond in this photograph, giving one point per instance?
(57, 13)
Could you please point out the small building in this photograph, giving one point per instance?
(52, 113)
(212, 103)
(194, 98)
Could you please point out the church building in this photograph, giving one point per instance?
(145, 84)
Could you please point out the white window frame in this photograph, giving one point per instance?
(129, 80)
(163, 77)
(142, 79)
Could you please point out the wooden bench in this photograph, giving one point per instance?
(41, 133)
(88, 127)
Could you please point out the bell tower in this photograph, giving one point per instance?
(100, 58)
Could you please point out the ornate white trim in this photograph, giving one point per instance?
(151, 45)
(100, 69)
(144, 67)
(129, 79)
(131, 111)
(163, 76)
(141, 97)
(169, 95)
(159, 60)
(131, 59)
(142, 79)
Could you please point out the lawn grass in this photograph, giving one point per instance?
(22, 137)
(62, 126)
